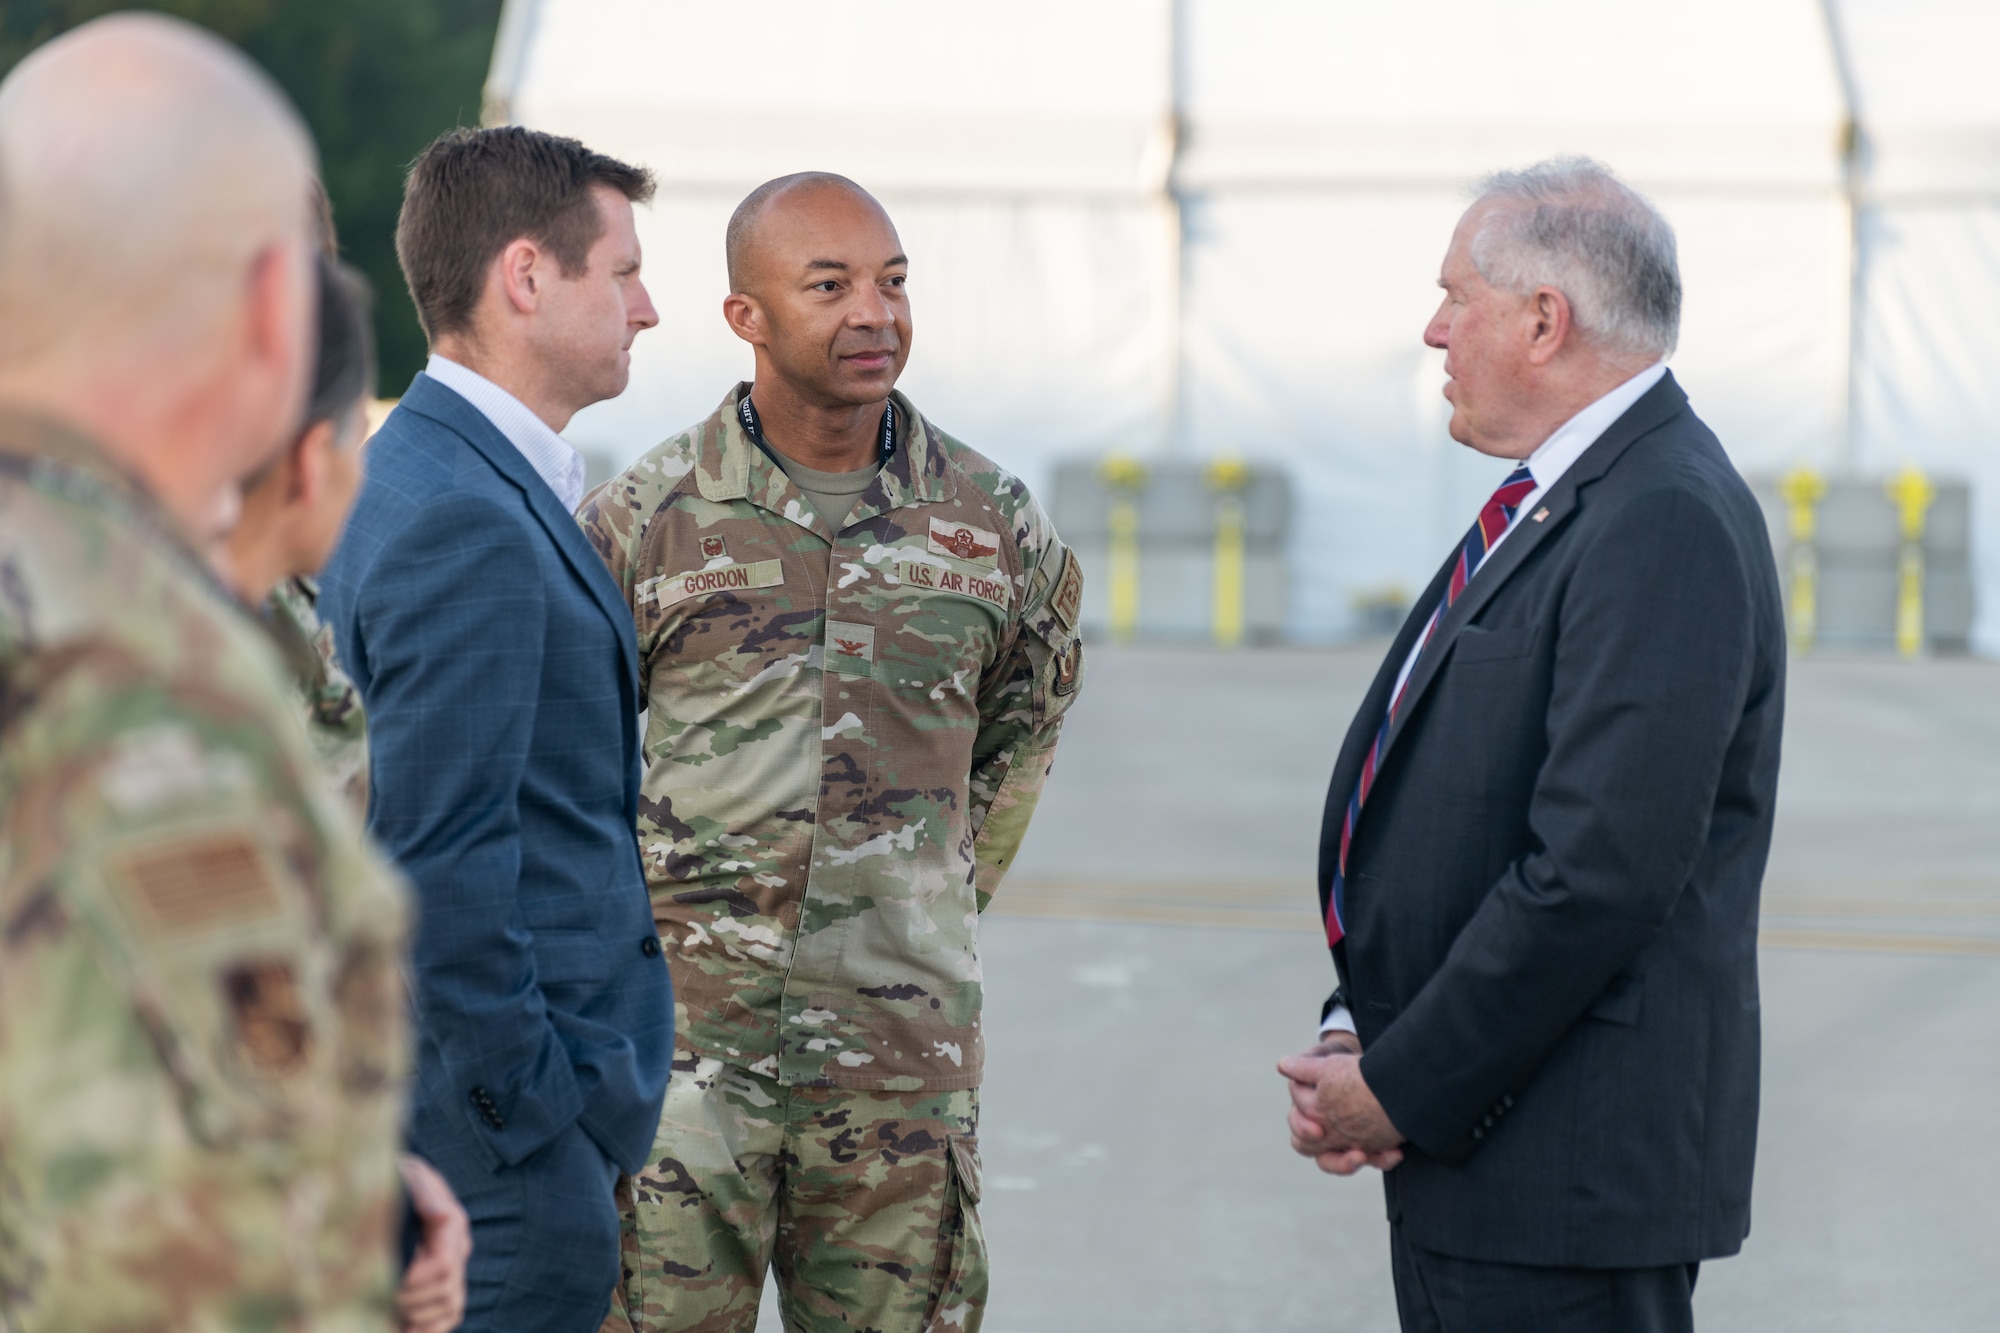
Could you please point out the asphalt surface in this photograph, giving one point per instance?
(1155, 951)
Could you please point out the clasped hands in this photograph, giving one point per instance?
(1335, 1119)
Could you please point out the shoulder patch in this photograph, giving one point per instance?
(273, 1031)
(1067, 600)
(199, 881)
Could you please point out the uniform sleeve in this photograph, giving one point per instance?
(611, 524)
(613, 518)
(198, 1016)
(1022, 702)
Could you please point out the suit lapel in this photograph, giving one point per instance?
(1660, 403)
(428, 398)
(1368, 718)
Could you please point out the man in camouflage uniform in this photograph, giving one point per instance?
(857, 640)
(335, 721)
(201, 1050)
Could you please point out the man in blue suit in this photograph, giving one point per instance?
(496, 660)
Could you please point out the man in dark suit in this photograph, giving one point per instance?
(496, 659)
(1547, 828)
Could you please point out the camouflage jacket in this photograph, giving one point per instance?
(202, 1048)
(847, 733)
(331, 705)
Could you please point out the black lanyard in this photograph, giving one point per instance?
(746, 412)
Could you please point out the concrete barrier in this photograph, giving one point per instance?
(1872, 563)
(1178, 549)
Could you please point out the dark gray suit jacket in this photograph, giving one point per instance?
(1551, 902)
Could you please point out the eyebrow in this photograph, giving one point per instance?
(840, 265)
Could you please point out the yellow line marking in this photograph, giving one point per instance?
(1972, 946)
(1885, 906)
(1226, 910)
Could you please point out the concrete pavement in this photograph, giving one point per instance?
(1155, 951)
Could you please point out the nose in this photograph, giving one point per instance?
(640, 313)
(870, 309)
(1437, 333)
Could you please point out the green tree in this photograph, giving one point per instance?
(376, 80)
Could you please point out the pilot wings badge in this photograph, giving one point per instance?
(962, 541)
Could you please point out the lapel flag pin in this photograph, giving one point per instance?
(1541, 514)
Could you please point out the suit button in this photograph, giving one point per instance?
(650, 946)
(1508, 1101)
(1478, 1133)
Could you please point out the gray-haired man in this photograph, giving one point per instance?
(1547, 828)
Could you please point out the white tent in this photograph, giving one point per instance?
(1027, 179)
(1212, 226)
(1926, 387)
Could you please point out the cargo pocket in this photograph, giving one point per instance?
(958, 1281)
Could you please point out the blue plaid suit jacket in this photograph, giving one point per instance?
(498, 666)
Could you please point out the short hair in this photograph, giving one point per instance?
(344, 368)
(473, 193)
(1568, 223)
(743, 222)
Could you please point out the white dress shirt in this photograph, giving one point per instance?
(1547, 464)
(552, 457)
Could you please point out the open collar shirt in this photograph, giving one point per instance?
(552, 457)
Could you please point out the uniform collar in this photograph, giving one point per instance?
(62, 460)
(728, 465)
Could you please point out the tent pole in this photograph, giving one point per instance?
(1178, 439)
(510, 53)
(1847, 439)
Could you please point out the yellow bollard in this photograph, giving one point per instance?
(1228, 478)
(1126, 477)
(1802, 489)
(1912, 493)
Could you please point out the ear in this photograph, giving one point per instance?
(1549, 325)
(522, 271)
(745, 317)
(308, 466)
(279, 307)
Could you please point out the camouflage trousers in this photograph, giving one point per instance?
(867, 1202)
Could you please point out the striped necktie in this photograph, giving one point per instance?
(1492, 522)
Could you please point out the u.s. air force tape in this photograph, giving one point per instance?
(671, 589)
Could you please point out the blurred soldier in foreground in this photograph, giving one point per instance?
(497, 663)
(857, 638)
(293, 510)
(201, 1045)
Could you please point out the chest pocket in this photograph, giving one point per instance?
(939, 613)
(1492, 645)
